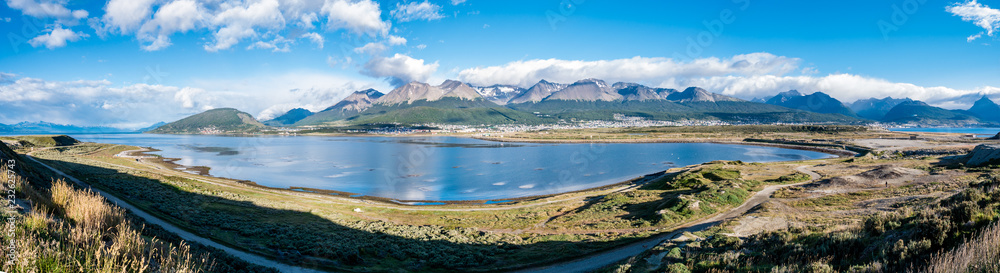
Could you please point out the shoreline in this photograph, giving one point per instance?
(143, 155)
(837, 152)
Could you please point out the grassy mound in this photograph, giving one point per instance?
(225, 120)
(41, 141)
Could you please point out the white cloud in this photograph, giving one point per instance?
(421, 46)
(372, 49)
(237, 22)
(414, 11)
(186, 96)
(399, 69)
(744, 76)
(177, 16)
(332, 62)
(396, 40)
(100, 102)
(457, 2)
(91, 103)
(231, 22)
(125, 16)
(48, 9)
(315, 38)
(527, 73)
(981, 15)
(363, 16)
(271, 95)
(844, 87)
(278, 44)
(56, 38)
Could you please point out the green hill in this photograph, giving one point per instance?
(923, 114)
(222, 120)
(290, 117)
(41, 141)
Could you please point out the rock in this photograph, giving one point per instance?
(357, 209)
(984, 154)
(997, 136)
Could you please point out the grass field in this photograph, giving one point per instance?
(946, 221)
(324, 231)
(286, 226)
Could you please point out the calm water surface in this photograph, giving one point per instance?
(435, 168)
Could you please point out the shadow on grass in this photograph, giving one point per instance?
(306, 239)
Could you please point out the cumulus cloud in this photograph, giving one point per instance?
(315, 38)
(48, 9)
(844, 87)
(527, 73)
(125, 16)
(260, 22)
(278, 44)
(743, 76)
(89, 102)
(414, 11)
(269, 96)
(236, 22)
(981, 15)
(56, 38)
(360, 17)
(396, 40)
(177, 16)
(102, 103)
(372, 49)
(399, 69)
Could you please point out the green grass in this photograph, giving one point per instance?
(790, 178)
(904, 239)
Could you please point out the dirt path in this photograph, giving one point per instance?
(605, 258)
(188, 236)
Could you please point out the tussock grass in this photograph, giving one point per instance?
(977, 255)
(72, 230)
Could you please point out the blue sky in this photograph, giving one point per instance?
(134, 62)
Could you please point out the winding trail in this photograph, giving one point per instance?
(605, 258)
(184, 234)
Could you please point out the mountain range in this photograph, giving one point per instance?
(920, 113)
(42, 127)
(350, 106)
(454, 102)
(875, 109)
(818, 102)
(985, 109)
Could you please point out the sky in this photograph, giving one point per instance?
(132, 63)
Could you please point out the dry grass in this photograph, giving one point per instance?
(72, 230)
(977, 255)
